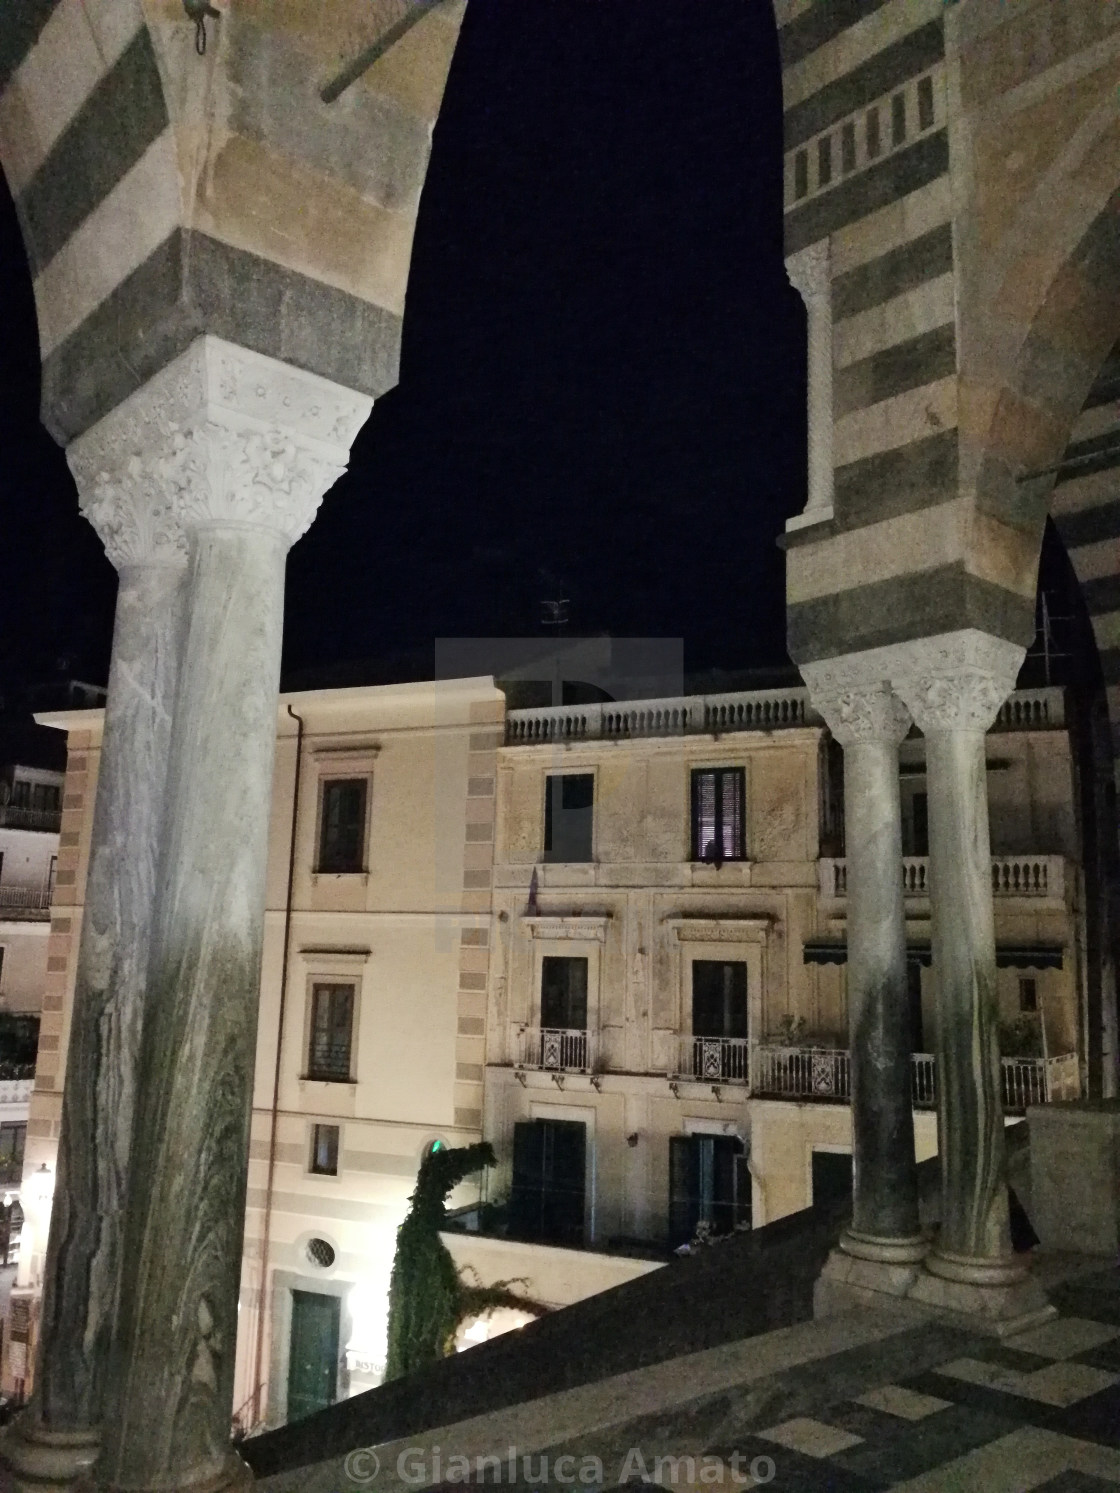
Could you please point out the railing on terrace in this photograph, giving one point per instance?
(17, 1090)
(29, 898)
(555, 1049)
(744, 710)
(1012, 876)
(784, 1072)
(15, 816)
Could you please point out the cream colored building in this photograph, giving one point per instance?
(615, 932)
(373, 988)
(667, 1024)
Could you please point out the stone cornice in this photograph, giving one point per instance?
(222, 436)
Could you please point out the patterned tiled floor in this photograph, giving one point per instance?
(1039, 1411)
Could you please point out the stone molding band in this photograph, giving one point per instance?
(220, 437)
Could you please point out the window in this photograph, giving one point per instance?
(324, 1150)
(332, 1026)
(546, 1200)
(717, 815)
(874, 138)
(801, 174)
(848, 148)
(824, 161)
(925, 103)
(342, 834)
(569, 800)
(52, 877)
(563, 1012)
(898, 119)
(919, 825)
(1, 961)
(1028, 995)
(12, 1140)
(719, 1020)
(709, 1183)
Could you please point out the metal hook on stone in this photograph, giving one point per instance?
(198, 10)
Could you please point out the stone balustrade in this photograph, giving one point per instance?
(1012, 876)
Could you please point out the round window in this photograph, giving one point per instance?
(320, 1253)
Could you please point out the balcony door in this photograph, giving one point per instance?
(563, 1012)
(546, 1204)
(719, 1019)
(709, 1183)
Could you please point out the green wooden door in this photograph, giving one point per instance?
(313, 1360)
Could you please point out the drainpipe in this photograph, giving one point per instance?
(258, 1355)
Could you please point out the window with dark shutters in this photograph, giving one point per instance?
(332, 1028)
(718, 819)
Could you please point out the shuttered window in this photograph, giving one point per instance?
(718, 819)
(342, 837)
(332, 1030)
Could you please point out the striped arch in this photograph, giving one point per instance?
(162, 194)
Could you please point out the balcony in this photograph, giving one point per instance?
(824, 1073)
(1034, 876)
(15, 816)
(24, 902)
(555, 1049)
(715, 1059)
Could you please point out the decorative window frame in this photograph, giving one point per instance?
(586, 1115)
(335, 761)
(742, 940)
(587, 770)
(309, 1169)
(324, 966)
(572, 937)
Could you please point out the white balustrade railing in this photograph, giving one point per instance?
(1032, 710)
(16, 1090)
(753, 710)
(715, 1059)
(555, 1049)
(1012, 876)
(825, 1073)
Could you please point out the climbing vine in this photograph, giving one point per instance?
(427, 1298)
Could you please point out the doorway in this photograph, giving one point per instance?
(313, 1353)
(546, 1202)
(709, 1183)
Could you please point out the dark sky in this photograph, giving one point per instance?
(602, 383)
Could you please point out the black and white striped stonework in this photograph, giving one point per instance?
(866, 163)
(123, 280)
(1086, 509)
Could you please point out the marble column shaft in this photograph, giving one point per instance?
(58, 1435)
(954, 700)
(252, 445)
(869, 722)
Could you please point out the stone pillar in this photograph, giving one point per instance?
(57, 1439)
(881, 1249)
(953, 686)
(810, 274)
(250, 447)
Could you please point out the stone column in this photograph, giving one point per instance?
(251, 447)
(810, 274)
(881, 1249)
(57, 1439)
(953, 686)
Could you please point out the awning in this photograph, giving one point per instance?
(1008, 956)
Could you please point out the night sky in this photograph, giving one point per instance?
(602, 381)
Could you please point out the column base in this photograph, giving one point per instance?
(235, 1476)
(864, 1272)
(36, 1458)
(995, 1296)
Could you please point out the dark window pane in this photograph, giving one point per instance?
(332, 1021)
(801, 174)
(324, 1150)
(564, 993)
(925, 103)
(898, 119)
(848, 148)
(824, 161)
(719, 998)
(569, 809)
(921, 824)
(706, 1173)
(342, 841)
(547, 1192)
(874, 139)
(1028, 995)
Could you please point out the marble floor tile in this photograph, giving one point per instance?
(1064, 1337)
(895, 1399)
(1060, 1383)
(810, 1437)
(1024, 1461)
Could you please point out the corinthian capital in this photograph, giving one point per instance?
(120, 495)
(220, 437)
(856, 709)
(810, 270)
(958, 681)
